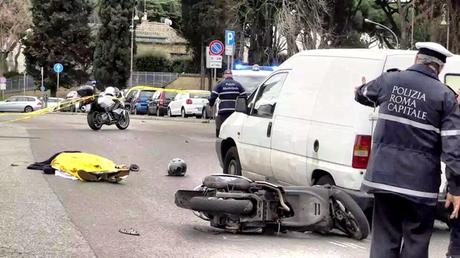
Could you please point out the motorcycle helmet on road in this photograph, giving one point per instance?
(177, 167)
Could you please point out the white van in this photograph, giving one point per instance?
(302, 126)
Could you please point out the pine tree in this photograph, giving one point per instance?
(60, 34)
(112, 54)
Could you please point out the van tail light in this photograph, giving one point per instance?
(361, 151)
(189, 102)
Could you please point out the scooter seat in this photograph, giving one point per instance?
(227, 182)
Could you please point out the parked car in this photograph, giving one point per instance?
(190, 103)
(70, 108)
(137, 98)
(302, 126)
(158, 104)
(53, 102)
(21, 104)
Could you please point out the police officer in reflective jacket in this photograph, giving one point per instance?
(418, 123)
(227, 91)
(452, 202)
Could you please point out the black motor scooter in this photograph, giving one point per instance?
(238, 204)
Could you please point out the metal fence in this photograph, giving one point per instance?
(153, 78)
(20, 84)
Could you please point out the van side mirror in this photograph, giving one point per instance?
(242, 105)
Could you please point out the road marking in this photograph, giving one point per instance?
(347, 245)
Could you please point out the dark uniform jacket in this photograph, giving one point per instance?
(227, 91)
(419, 122)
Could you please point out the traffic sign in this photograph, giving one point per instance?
(229, 42)
(42, 88)
(2, 83)
(58, 68)
(213, 61)
(216, 48)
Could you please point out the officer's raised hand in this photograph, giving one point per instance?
(455, 201)
(363, 81)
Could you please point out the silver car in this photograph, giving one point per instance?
(21, 104)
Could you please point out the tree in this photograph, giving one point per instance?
(202, 22)
(60, 34)
(158, 9)
(113, 45)
(14, 21)
(301, 23)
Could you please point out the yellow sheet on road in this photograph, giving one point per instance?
(71, 163)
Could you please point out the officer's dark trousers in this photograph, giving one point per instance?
(220, 119)
(401, 228)
(454, 245)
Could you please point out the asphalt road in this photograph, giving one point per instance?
(45, 215)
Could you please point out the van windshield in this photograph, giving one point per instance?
(249, 82)
(453, 81)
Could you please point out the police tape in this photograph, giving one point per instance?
(68, 103)
(142, 87)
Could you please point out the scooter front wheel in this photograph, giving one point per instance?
(348, 216)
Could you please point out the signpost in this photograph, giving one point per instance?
(214, 57)
(216, 48)
(230, 47)
(3, 86)
(58, 68)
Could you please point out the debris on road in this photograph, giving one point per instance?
(177, 167)
(129, 231)
(134, 168)
(84, 167)
(14, 165)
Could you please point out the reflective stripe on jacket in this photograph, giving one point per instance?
(227, 91)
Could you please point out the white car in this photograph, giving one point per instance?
(190, 103)
(53, 102)
(21, 104)
(71, 108)
(302, 126)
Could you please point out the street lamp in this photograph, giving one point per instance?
(144, 17)
(134, 18)
(385, 27)
(446, 22)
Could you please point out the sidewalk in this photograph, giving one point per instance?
(33, 221)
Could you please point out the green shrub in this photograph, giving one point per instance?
(183, 65)
(152, 63)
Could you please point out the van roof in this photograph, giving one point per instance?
(379, 54)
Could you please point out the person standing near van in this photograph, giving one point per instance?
(227, 91)
(418, 123)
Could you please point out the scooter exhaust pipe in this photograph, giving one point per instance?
(221, 206)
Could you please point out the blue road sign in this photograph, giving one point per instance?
(216, 48)
(229, 38)
(58, 68)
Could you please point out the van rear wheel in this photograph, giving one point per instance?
(325, 180)
(232, 165)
